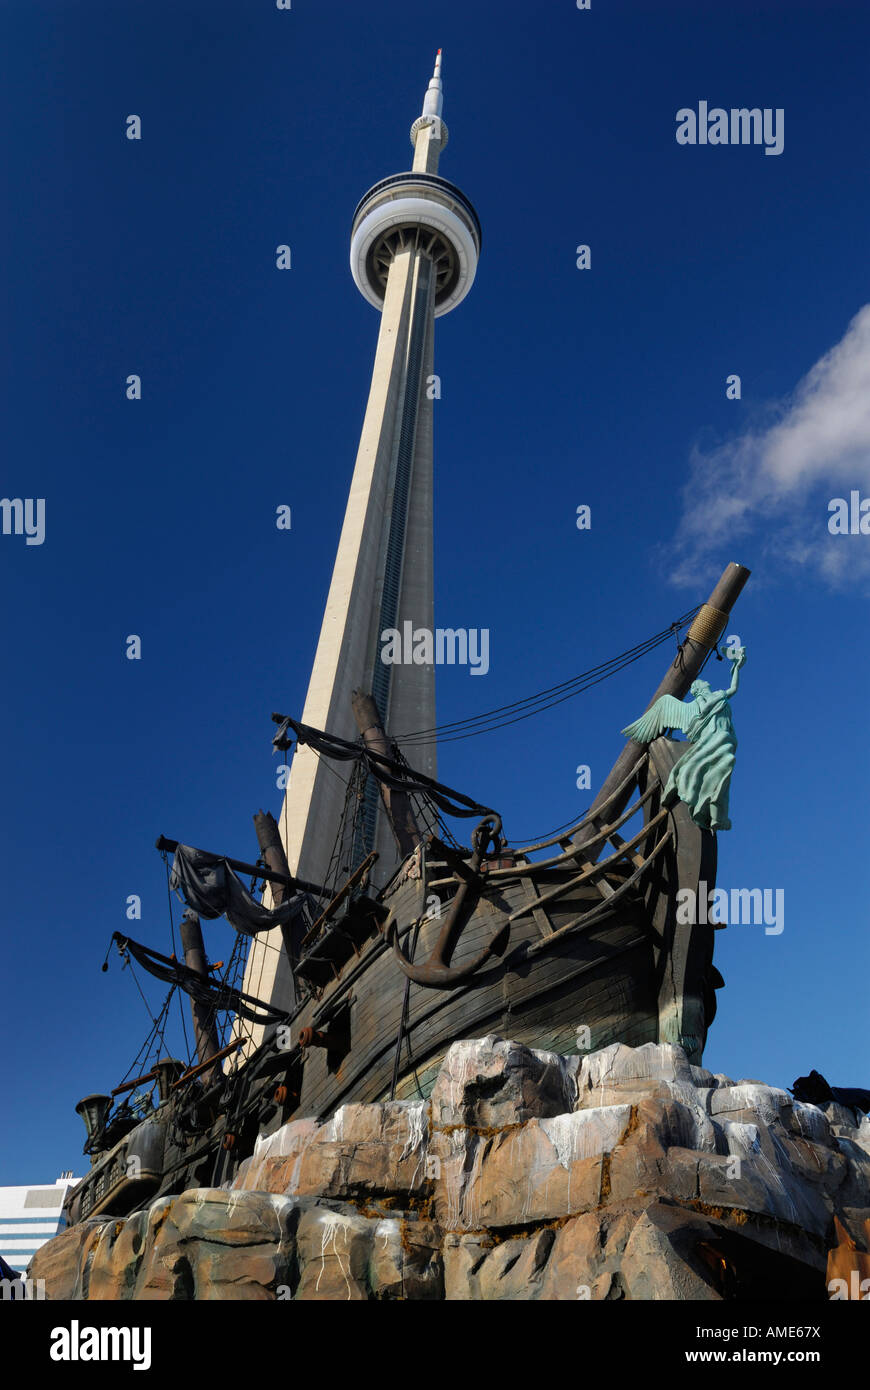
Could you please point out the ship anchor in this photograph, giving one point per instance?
(436, 971)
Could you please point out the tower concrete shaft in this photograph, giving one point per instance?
(415, 240)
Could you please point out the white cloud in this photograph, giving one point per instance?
(772, 485)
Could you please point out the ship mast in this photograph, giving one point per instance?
(706, 630)
(204, 1030)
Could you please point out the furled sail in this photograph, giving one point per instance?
(397, 776)
(213, 889)
(212, 993)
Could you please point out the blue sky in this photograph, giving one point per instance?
(560, 387)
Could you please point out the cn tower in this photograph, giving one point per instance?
(415, 243)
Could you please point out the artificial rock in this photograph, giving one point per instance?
(626, 1173)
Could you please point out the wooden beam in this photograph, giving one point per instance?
(204, 1066)
(339, 898)
(242, 867)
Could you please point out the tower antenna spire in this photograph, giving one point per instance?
(429, 131)
(433, 102)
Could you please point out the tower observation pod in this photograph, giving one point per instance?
(415, 244)
(418, 210)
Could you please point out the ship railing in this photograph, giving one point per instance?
(591, 918)
(577, 867)
(615, 877)
(586, 854)
(566, 836)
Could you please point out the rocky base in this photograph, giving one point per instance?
(625, 1173)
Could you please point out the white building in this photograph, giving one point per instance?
(29, 1216)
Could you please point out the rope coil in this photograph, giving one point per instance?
(708, 626)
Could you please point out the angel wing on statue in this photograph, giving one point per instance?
(702, 777)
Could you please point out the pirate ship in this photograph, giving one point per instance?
(572, 941)
(381, 935)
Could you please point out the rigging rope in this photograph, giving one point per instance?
(550, 834)
(544, 699)
(424, 808)
(158, 1030)
(575, 820)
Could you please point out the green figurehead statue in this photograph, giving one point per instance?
(702, 777)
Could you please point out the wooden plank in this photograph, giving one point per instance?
(469, 1012)
(541, 919)
(583, 854)
(600, 975)
(628, 884)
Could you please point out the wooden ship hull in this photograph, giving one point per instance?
(587, 963)
(576, 956)
(566, 953)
